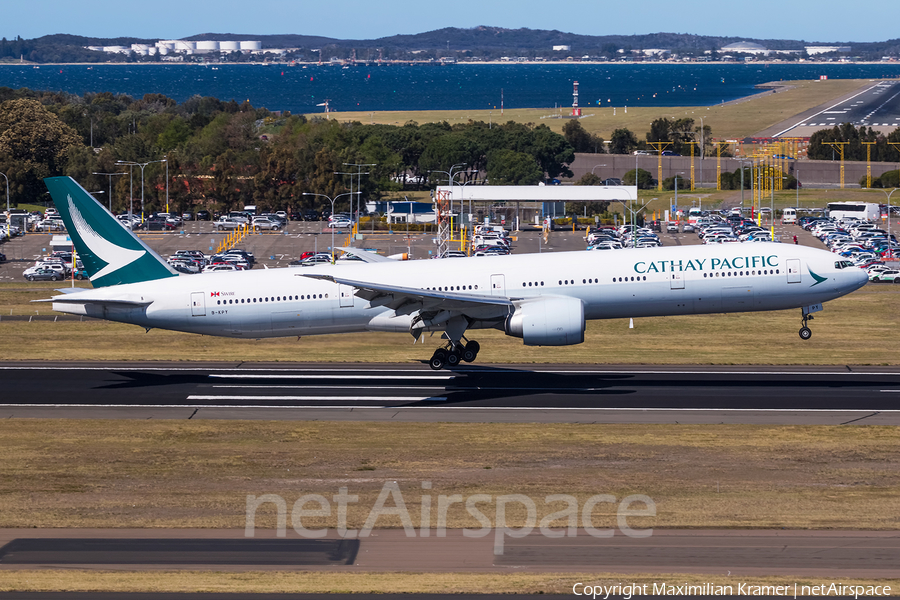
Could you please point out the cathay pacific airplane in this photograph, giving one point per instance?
(544, 299)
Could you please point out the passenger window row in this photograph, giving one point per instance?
(638, 278)
(743, 273)
(271, 299)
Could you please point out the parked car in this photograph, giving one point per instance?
(226, 223)
(265, 223)
(219, 267)
(316, 259)
(341, 223)
(159, 223)
(887, 275)
(203, 215)
(44, 274)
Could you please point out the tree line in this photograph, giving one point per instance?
(676, 135)
(223, 154)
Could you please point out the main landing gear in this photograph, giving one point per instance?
(806, 332)
(452, 353)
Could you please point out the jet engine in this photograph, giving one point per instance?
(548, 321)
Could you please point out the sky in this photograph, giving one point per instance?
(812, 21)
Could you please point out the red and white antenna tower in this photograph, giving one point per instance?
(576, 112)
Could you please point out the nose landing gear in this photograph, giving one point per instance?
(806, 332)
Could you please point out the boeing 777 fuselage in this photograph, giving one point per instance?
(544, 299)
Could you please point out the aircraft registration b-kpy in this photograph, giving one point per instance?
(545, 299)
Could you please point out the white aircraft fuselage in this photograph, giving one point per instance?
(720, 278)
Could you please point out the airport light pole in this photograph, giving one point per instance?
(7, 205)
(142, 165)
(359, 175)
(676, 193)
(890, 241)
(462, 194)
(110, 175)
(332, 200)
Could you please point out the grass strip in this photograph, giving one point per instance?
(731, 120)
(858, 329)
(374, 583)
(184, 474)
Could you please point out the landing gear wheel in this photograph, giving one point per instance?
(473, 346)
(805, 333)
(452, 358)
(468, 355)
(438, 360)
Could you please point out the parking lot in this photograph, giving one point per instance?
(278, 249)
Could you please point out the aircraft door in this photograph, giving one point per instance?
(676, 281)
(198, 304)
(793, 270)
(346, 293)
(498, 285)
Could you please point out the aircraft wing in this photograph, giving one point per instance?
(407, 300)
(365, 255)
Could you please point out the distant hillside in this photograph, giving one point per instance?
(477, 42)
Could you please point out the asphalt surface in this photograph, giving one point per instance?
(877, 105)
(482, 393)
(867, 554)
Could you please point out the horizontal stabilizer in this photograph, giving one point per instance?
(96, 301)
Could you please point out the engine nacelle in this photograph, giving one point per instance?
(549, 321)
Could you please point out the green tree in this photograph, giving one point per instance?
(589, 179)
(580, 139)
(622, 141)
(34, 144)
(508, 167)
(683, 184)
(659, 130)
(645, 180)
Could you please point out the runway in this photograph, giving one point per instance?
(876, 106)
(474, 393)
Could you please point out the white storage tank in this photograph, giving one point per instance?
(251, 45)
(207, 45)
(229, 46)
(183, 46)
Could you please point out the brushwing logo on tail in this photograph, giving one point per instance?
(114, 256)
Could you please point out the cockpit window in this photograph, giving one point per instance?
(843, 264)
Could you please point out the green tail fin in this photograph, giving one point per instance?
(111, 254)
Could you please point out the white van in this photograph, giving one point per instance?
(788, 216)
